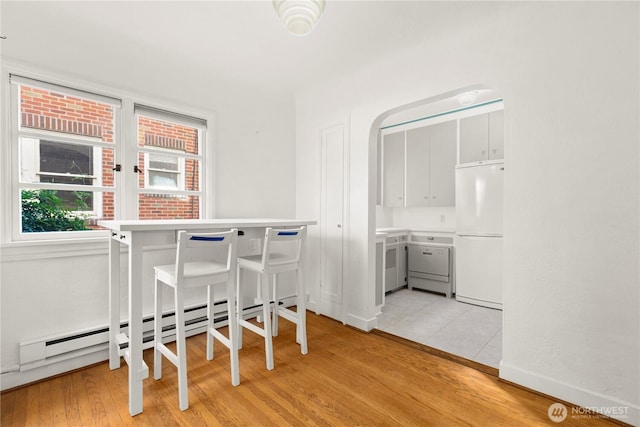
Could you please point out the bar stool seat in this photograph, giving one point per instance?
(189, 273)
(267, 266)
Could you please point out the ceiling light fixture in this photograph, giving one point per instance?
(299, 16)
(468, 98)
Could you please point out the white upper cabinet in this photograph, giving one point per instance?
(482, 137)
(393, 169)
(443, 162)
(474, 138)
(418, 161)
(496, 135)
(420, 171)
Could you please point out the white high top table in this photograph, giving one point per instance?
(136, 234)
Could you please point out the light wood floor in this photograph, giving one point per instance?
(348, 378)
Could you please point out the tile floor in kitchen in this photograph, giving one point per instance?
(466, 330)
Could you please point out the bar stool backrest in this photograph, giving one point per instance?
(207, 245)
(294, 236)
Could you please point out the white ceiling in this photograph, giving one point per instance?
(240, 42)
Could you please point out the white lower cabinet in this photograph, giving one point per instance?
(395, 273)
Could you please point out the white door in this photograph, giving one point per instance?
(332, 221)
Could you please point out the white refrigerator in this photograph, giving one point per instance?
(478, 240)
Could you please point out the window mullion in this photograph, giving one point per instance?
(128, 159)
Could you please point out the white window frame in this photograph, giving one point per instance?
(160, 113)
(125, 184)
(180, 172)
(16, 133)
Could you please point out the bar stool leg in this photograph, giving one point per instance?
(266, 308)
(181, 351)
(232, 317)
(301, 327)
(157, 339)
(239, 307)
(210, 323)
(276, 305)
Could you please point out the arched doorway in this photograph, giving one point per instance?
(442, 287)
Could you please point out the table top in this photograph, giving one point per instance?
(185, 224)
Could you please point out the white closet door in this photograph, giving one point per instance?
(332, 221)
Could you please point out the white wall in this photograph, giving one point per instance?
(569, 75)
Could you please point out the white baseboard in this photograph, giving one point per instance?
(595, 402)
(361, 323)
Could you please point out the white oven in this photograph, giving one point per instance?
(430, 264)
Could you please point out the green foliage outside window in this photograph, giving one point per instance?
(43, 210)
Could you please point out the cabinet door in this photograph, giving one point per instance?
(474, 138)
(393, 169)
(402, 265)
(391, 268)
(443, 164)
(496, 135)
(417, 163)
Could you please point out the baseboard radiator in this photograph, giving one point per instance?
(50, 350)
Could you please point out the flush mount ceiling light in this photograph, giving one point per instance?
(299, 16)
(468, 98)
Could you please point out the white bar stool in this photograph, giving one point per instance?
(268, 265)
(189, 273)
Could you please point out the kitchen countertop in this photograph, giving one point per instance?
(434, 230)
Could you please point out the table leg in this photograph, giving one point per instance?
(138, 370)
(114, 302)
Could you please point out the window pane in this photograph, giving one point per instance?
(155, 206)
(63, 163)
(53, 210)
(153, 133)
(166, 180)
(162, 163)
(66, 158)
(46, 110)
(157, 161)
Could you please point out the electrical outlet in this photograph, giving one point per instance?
(442, 218)
(254, 246)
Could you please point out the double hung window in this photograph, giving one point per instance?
(170, 164)
(75, 161)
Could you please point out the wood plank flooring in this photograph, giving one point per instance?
(349, 378)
